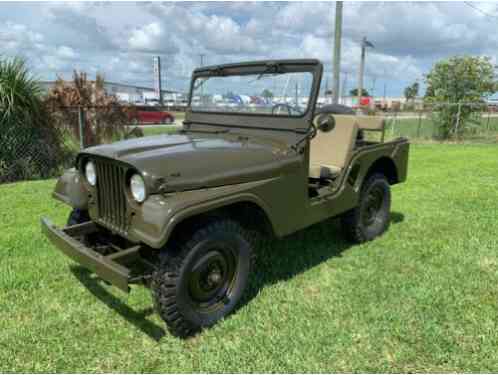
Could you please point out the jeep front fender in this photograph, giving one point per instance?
(70, 189)
(156, 219)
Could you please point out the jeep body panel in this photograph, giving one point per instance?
(219, 160)
(153, 221)
(70, 189)
(283, 198)
(195, 161)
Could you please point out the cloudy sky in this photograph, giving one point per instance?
(120, 39)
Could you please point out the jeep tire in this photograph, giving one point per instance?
(372, 215)
(201, 279)
(77, 216)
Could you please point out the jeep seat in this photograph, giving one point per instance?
(373, 123)
(330, 151)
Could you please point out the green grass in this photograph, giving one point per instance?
(179, 116)
(422, 298)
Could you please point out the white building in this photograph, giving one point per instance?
(130, 93)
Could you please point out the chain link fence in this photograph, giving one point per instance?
(32, 152)
(45, 153)
(453, 122)
(29, 153)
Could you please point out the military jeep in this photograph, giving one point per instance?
(179, 213)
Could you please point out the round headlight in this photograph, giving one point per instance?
(137, 187)
(90, 173)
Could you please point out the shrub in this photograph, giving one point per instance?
(454, 83)
(30, 146)
(105, 119)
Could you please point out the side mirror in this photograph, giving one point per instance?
(324, 122)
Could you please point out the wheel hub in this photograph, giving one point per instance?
(210, 277)
(214, 278)
(373, 206)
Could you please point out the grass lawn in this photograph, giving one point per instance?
(423, 297)
(179, 116)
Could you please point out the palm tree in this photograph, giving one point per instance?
(30, 146)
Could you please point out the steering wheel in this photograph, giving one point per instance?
(281, 105)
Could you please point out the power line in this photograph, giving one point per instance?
(469, 4)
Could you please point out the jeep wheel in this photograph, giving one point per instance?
(203, 279)
(372, 215)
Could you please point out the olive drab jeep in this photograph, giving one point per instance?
(178, 212)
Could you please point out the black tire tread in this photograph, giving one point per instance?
(165, 278)
(350, 220)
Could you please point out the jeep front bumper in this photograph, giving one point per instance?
(106, 267)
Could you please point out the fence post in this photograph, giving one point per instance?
(458, 119)
(393, 123)
(81, 124)
(487, 123)
(419, 123)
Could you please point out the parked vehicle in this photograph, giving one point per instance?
(150, 115)
(181, 213)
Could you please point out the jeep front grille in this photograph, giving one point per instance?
(111, 195)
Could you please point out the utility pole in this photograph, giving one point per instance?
(344, 86)
(157, 79)
(202, 58)
(364, 44)
(337, 52)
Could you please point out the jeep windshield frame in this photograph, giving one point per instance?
(238, 119)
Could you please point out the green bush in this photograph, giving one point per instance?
(454, 83)
(30, 147)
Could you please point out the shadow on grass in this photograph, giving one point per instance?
(137, 318)
(280, 260)
(277, 260)
(397, 217)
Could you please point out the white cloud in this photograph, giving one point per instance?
(120, 39)
(17, 35)
(66, 52)
(146, 37)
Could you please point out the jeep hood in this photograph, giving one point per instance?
(192, 161)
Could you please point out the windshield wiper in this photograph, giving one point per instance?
(222, 131)
(271, 69)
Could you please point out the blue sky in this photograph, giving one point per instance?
(120, 39)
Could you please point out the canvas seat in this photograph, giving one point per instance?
(373, 123)
(330, 151)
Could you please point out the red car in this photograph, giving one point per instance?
(150, 115)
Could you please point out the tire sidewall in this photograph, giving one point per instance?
(242, 252)
(370, 232)
(77, 216)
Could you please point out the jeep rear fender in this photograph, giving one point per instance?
(390, 159)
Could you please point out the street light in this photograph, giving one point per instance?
(364, 44)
